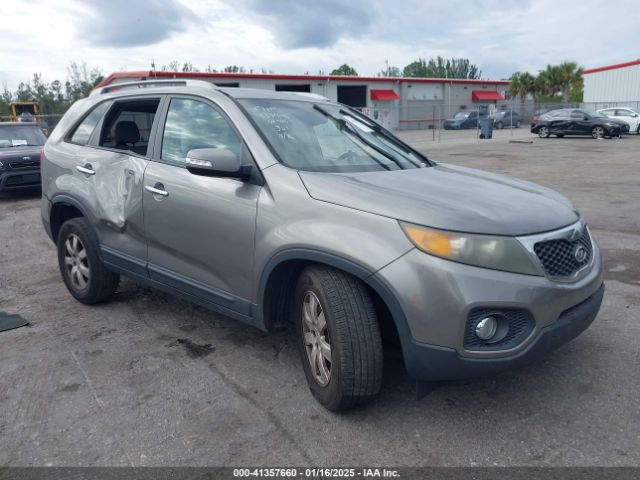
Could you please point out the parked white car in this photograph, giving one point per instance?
(626, 115)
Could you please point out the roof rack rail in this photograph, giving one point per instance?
(152, 83)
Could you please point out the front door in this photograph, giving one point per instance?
(200, 230)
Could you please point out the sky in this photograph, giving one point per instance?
(294, 37)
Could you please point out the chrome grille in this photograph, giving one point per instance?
(558, 256)
(24, 165)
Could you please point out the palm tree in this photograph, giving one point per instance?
(569, 76)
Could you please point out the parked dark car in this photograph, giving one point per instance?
(541, 111)
(506, 118)
(463, 120)
(20, 147)
(569, 121)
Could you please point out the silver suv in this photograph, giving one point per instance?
(284, 209)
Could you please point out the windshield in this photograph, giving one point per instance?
(17, 136)
(461, 115)
(328, 138)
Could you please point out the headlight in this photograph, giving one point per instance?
(487, 251)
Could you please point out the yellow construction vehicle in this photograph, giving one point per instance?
(26, 112)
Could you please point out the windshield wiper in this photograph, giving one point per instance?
(378, 129)
(354, 131)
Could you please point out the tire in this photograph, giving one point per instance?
(335, 309)
(518, 124)
(598, 132)
(560, 135)
(499, 125)
(543, 132)
(78, 251)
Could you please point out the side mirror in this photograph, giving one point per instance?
(216, 162)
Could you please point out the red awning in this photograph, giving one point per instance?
(384, 95)
(485, 96)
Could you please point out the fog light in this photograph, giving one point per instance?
(486, 328)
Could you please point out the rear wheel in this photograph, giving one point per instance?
(500, 126)
(84, 274)
(543, 132)
(338, 337)
(518, 124)
(598, 132)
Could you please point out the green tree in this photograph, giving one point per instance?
(522, 84)
(390, 72)
(458, 68)
(345, 69)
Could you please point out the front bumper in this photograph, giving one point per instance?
(436, 297)
(433, 363)
(13, 180)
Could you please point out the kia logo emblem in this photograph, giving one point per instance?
(580, 254)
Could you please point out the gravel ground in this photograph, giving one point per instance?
(147, 379)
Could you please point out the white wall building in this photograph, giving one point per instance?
(612, 84)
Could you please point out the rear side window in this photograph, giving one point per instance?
(128, 124)
(83, 131)
(194, 124)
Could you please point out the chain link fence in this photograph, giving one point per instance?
(48, 120)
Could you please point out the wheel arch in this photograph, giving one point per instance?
(277, 284)
(63, 208)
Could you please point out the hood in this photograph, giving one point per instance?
(447, 197)
(616, 121)
(20, 153)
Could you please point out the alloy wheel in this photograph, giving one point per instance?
(543, 132)
(597, 132)
(316, 338)
(76, 262)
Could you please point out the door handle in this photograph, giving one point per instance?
(158, 189)
(87, 169)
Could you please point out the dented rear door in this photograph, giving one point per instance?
(114, 190)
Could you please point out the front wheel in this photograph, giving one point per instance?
(598, 132)
(500, 125)
(543, 132)
(84, 274)
(338, 337)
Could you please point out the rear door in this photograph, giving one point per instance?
(201, 229)
(581, 123)
(111, 166)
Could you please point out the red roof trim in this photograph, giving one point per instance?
(611, 67)
(142, 75)
(384, 95)
(485, 95)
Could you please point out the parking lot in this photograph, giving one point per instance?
(147, 379)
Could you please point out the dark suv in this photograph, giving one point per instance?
(20, 147)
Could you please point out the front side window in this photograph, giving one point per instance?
(328, 137)
(83, 131)
(194, 124)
